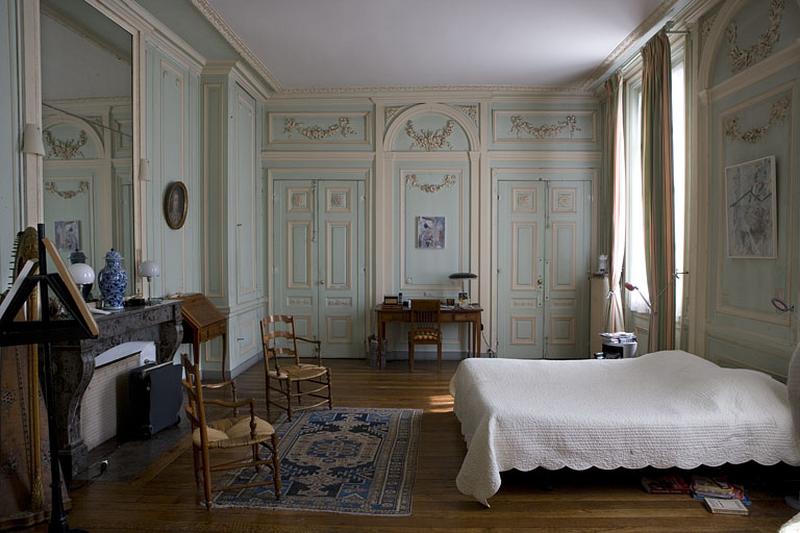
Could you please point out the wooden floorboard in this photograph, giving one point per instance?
(163, 498)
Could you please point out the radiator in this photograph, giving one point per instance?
(155, 398)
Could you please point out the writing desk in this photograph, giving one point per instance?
(202, 321)
(469, 314)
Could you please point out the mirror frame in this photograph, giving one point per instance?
(33, 166)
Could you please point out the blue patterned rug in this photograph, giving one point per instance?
(345, 460)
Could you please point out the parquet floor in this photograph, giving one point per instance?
(164, 498)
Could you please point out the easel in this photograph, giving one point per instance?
(80, 325)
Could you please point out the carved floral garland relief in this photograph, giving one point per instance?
(316, 133)
(430, 140)
(777, 114)
(64, 149)
(519, 126)
(431, 188)
(741, 58)
(66, 195)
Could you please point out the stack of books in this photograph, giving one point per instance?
(666, 484)
(721, 506)
(703, 488)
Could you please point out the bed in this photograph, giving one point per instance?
(665, 409)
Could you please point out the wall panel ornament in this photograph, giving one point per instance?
(342, 127)
(66, 149)
(471, 111)
(519, 126)
(429, 139)
(50, 187)
(741, 58)
(447, 181)
(390, 112)
(777, 115)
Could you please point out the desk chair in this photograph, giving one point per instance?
(426, 328)
(279, 341)
(248, 432)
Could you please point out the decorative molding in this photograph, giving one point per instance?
(544, 131)
(741, 58)
(470, 110)
(430, 140)
(316, 156)
(390, 112)
(389, 90)
(50, 187)
(66, 149)
(777, 115)
(629, 44)
(216, 20)
(431, 188)
(316, 133)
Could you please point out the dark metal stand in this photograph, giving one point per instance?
(44, 332)
(58, 518)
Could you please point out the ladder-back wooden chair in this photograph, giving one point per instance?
(426, 328)
(280, 342)
(249, 432)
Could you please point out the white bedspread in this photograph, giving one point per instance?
(663, 409)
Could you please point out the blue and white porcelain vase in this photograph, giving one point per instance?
(113, 280)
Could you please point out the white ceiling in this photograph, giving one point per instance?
(309, 44)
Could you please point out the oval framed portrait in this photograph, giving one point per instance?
(176, 204)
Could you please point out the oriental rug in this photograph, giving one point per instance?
(346, 460)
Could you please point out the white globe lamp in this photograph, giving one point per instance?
(82, 274)
(149, 270)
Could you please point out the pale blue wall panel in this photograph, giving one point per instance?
(9, 138)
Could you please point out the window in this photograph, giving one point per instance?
(679, 173)
(635, 265)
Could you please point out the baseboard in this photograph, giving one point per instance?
(426, 356)
(217, 374)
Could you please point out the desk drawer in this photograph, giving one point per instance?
(465, 317)
(214, 330)
(393, 316)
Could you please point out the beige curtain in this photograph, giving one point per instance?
(658, 190)
(616, 149)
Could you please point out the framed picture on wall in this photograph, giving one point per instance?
(430, 232)
(751, 209)
(68, 235)
(176, 204)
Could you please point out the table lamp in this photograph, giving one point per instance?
(463, 296)
(83, 275)
(150, 270)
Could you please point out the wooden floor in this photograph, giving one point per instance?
(164, 498)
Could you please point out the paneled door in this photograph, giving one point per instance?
(543, 248)
(319, 261)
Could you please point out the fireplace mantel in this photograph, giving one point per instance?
(74, 363)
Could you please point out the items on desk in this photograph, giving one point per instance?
(618, 345)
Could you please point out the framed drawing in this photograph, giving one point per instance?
(176, 204)
(751, 209)
(68, 234)
(430, 233)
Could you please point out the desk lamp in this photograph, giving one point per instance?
(463, 296)
(83, 276)
(150, 270)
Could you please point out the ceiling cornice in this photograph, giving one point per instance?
(630, 42)
(585, 88)
(237, 43)
(475, 90)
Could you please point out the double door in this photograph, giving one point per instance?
(319, 261)
(542, 271)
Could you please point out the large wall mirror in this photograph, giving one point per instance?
(87, 117)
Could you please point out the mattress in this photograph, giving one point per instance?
(665, 409)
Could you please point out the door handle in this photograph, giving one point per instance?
(540, 282)
(322, 282)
